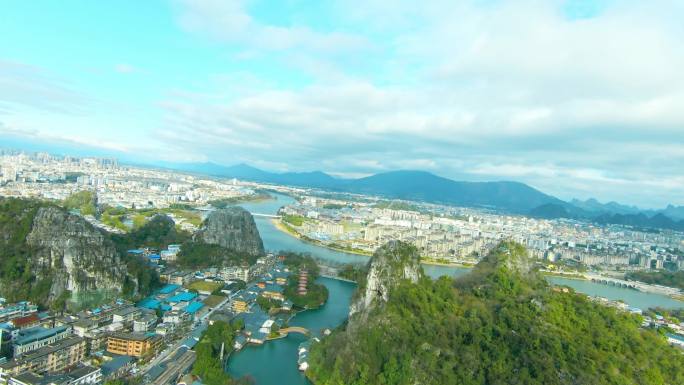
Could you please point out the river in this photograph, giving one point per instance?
(275, 363)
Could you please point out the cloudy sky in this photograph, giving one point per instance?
(579, 98)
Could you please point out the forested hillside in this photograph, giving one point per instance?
(501, 324)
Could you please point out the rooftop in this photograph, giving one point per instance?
(194, 307)
(30, 335)
(185, 296)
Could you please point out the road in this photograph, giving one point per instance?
(170, 351)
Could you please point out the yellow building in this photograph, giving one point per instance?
(239, 306)
(133, 344)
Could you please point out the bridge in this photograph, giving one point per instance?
(265, 215)
(612, 281)
(295, 329)
(640, 286)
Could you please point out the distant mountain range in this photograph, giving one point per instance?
(407, 185)
(423, 186)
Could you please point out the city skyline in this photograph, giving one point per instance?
(575, 98)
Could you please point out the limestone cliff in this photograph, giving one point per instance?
(45, 251)
(391, 263)
(78, 256)
(232, 228)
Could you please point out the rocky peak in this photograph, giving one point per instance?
(233, 228)
(510, 256)
(391, 263)
(73, 254)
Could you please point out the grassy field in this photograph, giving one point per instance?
(213, 300)
(205, 286)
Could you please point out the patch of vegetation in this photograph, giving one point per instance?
(198, 254)
(157, 233)
(356, 273)
(664, 278)
(17, 278)
(317, 294)
(315, 297)
(267, 304)
(214, 300)
(72, 177)
(334, 206)
(296, 261)
(397, 205)
(501, 324)
(208, 365)
(205, 286)
(84, 201)
(114, 217)
(294, 220)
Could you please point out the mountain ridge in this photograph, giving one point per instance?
(402, 184)
(509, 196)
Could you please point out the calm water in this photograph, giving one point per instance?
(275, 363)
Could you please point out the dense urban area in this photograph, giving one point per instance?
(197, 284)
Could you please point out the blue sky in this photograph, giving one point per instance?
(579, 98)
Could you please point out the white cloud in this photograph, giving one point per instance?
(229, 21)
(505, 90)
(23, 85)
(124, 68)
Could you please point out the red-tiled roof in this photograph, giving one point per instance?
(25, 321)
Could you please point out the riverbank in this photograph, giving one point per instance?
(575, 276)
(282, 227)
(278, 224)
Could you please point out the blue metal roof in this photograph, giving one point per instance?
(168, 289)
(38, 333)
(149, 303)
(183, 297)
(194, 307)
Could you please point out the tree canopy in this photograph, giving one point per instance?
(501, 324)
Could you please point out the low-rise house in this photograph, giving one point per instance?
(85, 327)
(84, 375)
(164, 329)
(52, 358)
(116, 366)
(9, 312)
(134, 344)
(145, 323)
(126, 315)
(176, 317)
(35, 338)
(26, 322)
